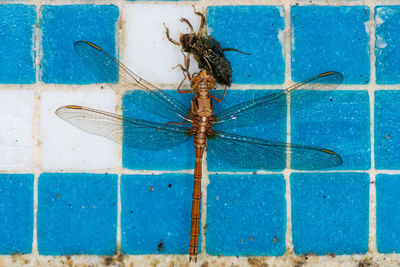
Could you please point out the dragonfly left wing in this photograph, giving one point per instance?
(127, 131)
(254, 153)
(108, 69)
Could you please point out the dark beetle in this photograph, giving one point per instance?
(206, 50)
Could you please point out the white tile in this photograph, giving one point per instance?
(16, 143)
(66, 148)
(147, 51)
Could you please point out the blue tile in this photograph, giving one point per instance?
(336, 120)
(16, 213)
(257, 30)
(330, 212)
(388, 213)
(387, 127)
(246, 215)
(61, 27)
(326, 38)
(163, 201)
(268, 124)
(17, 23)
(77, 214)
(161, 157)
(387, 44)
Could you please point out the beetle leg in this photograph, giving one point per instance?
(202, 22)
(216, 43)
(188, 23)
(186, 60)
(186, 73)
(184, 76)
(236, 50)
(169, 38)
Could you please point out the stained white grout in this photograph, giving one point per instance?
(118, 41)
(36, 134)
(286, 46)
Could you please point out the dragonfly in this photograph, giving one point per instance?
(208, 130)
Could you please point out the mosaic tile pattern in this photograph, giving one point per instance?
(158, 200)
(73, 210)
(16, 140)
(387, 191)
(330, 213)
(72, 185)
(257, 30)
(387, 44)
(16, 209)
(387, 125)
(248, 217)
(18, 44)
(338, 121)
(328, 38)
(61, 27)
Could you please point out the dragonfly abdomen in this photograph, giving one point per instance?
(199, 144)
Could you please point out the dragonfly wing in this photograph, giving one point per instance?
(108, 69)
(130, 132)
(273, 106)
(254, 153)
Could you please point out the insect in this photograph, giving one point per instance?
(198, 122)
(206, 50)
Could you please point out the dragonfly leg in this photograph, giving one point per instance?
(188, 23)
(177, 123)
(219, 100)
(202, 22)
(169, 38)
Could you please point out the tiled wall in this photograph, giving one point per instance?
(65, 192)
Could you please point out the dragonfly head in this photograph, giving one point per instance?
(203, 76)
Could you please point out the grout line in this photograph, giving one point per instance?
(119, 45)
(190, 171)
(286, 47)
(171, 88)
(36, 161)
(372, 248)
(119, 208)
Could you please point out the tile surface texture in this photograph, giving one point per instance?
(85, 200)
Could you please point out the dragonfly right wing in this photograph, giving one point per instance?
(273, 106)
(147, 96)
(255, 154)
(135, 133)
